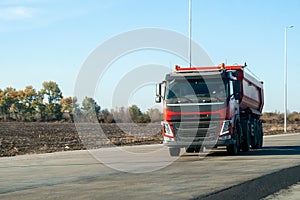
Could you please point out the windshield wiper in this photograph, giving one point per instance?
(217, 99)
(185, 98)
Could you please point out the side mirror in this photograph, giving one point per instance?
(157, 99)
(158, 93)
(237, 90)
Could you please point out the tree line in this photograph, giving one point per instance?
(48, 105)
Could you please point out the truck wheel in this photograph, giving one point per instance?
(174, 152)
(202, 149)
(197, 149)
(189, 150)
(257, 140)
(233, 149)
(247, 137)
(254, 137)
(261, 135)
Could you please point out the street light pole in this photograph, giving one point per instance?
(285, 76)
(190, 34)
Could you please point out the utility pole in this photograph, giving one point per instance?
(285, 76)
(190, 34)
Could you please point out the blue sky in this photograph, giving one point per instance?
(45, 40)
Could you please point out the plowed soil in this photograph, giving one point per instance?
(18, 138)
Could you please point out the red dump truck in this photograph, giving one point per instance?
(208, 107)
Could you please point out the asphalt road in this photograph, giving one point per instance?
(291, 193)
(146, 172)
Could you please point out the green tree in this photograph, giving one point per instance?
(9, 103)
(135, 113)
(40, 107)
(106, 117)
(29, 98)
(69, 106)
(52, 94)
(137, 116)
(90, 108)
(18, 105)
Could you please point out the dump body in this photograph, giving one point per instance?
(252, 93)
(211, 107)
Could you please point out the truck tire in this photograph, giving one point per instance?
(233, 149)
(174, 152)
(261, 135)
(254, 134)
(194, 149)
(247, 136)
(257, 139)
(202, 149)
(189, 149)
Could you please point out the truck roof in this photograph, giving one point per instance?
(215, 70)
(211, 68)
(194, 74)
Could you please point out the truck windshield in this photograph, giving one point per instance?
(196, 91)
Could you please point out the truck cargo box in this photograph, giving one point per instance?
(252, 93)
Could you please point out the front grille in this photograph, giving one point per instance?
(195, 117)
(195, 131)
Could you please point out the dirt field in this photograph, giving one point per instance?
(18, 138)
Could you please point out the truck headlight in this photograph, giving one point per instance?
(225, 127)
(167, 129)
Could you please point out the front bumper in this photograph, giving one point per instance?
(206, 143)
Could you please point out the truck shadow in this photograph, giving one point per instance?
(275, 150)
(265, 151)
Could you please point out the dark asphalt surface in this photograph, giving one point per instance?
(258, 188)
